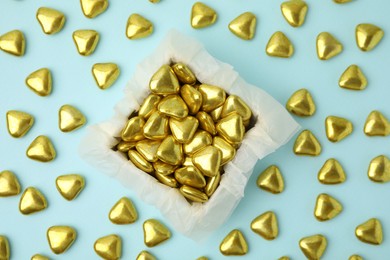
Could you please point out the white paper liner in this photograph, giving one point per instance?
(273, 128)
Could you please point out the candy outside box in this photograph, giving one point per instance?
(273, 127)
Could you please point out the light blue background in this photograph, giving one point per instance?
(74, 84)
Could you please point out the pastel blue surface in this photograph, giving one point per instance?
(74, 84)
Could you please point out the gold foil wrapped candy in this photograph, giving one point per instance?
(370, 232)
(307, 144)
(202, 15)
(183, 73)
(328, 46)
(313, 247)
(208, 160)
(294, 11)
(41, 149)
(70, 185)
(377, 124)
(51, 20)
(231, 128)
(156, 128)
(105, 74)
(148, 149)
(86, 41)
(301, 103)
(353, 79)
(92, 8)
(155, 232)
(164, 81)
(234, 244)
(5, 251)
(201, 139)
(39, 257)
(170, 151)
(40, 82)
(138, 160)
(123, 212)
(138, 27)
(9, 184)
(70, 118)
(379, 169)
(271, 180)
(19, 123)
(331, 172)
(13, 42)
(133, 131)
(266, 225)
(327, 207)
(212, 97)
(61, 238)
(355, 257)
(337, 128)
(109, 247)
(149, 106)
(190, 176)
(244, 26)
(193, 194)
(145, 255)
(192, 97)
(368, 36)
(183, 130)
(279, 46)
(32, 201)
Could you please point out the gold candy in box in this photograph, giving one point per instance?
(187, 135)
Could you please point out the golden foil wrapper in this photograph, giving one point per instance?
(149, 106)
(313, 247)
(234, 104)
(133, 130)
(193, 194)
(145, 255)
(228, 152)
(208, 160)
(328, 46)
(155, 232)
(183, 73)
(51, 20)
(337, 128)
(341, 1)
(32, 201)
(353, 78)
(123, 212)
(109, 247)
(216, 114)
(294, 11)
(202, 15)
(192, 97)
(379, 169)
(5, 251)
(190, 176)
(156, 127)
(170, 151)
(70, 185)
(70, 118)
(271, 180)
(234, 244)
(279, 46)
(183, 130)
(212, 184)
(188, 161)
(202, 258)
(61, 238)
(206, 122)
(355, 257)
(41, 149)
(377, 124)
(284, 258)
(105, 74)
(173, 106)
(244, 26)
(9, 184)
(167, 180)
(18, 123)
(92, 8)
(212, 97)
(39, 257)
(368, 36)
(124, 147)
(13, 42)
(370, 232)
(307, 144)
(301, 103)
(140, 162)
(231, 128)
(164, 168)
(138, 27)
(148, 149)
(86, 41)
(327, 207)
(201, 139)
(40, 82)
(266, 225)
(331, 172)
(164, 81)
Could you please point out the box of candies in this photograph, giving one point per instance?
(187, 135)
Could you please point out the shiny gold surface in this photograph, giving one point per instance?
(327, 207)
(109, 247)
(155, 232)
(156, 127)
(123, 212)
(41, 149)
(13, 42)
(212, 184)
(271, 180)
(105, 74)
(192, 97)
(61, 238)
(70, 118)
(208, 160)
(148, 149)
(353, 78)
(5, 251)
(341, 1)
(266, 225)
(234, 244)
(183, 130)
(184, 73)
(190, 176)
(294, 11)
(173, 106)
(39, 257)
(355, 257)
(212, 97)
(284, 258)
(328, 46)
(51, 20)
(86, 41)
(377, 124)
(70, 185)
(170, 151)
(337, 128)
(228, 151)
(18, 123)
(40, 82)
(164, 168)
(202, 258)
(9, 184)
(313, 247)
(167, 180)
(234, 104)
(188, 161)
(370, 232)
(231, 128)
(149, 106)
(244, 26)
(201, 139)
(133, 130)
(216, 113)
(145, 255)
(301, 103)
(32, 201)
(368, 36)
(164, 81)
(138, 27)
(331, 172)
(206, 122)
(193, 194)
(202, 15)
(379, 169)
(307, 144)
(279, 46)
(124, 147)
(140, 162)
(92, 8)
